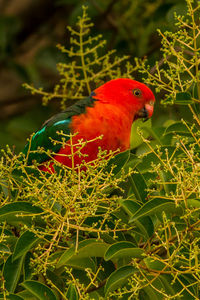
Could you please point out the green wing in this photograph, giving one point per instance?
(59, 122)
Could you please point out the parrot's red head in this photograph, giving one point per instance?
(133, 96)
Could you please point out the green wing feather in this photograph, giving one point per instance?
(57, 123)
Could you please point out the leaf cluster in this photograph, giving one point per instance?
(125, 226)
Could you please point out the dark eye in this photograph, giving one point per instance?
(137, 92)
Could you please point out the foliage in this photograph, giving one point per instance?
(87, 65)
(56, 215)
(123, 227)
(177, 74)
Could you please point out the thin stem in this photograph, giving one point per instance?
(83, 58)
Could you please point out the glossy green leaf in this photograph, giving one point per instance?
(27, 269)
(118, 278)
(120, 214)
(133, 161)
(173, 286)
(167, 283)
(138, 186)
(122, 250)
(179, 8)
(161, 283)
(11, 297)
(147, 160)
(56, 279)
(193, 203)
(183, 98)
(179, 128)
(11, 272)
(72, 293)
(20, 175)
(136, 139)
(55, 256)
(154, 264)
(26, 295)
(20, 206)
(154, 206)
(24, 244)
(119, 162)
(150, 293)
(188, 281)
(95, 296)
(86, 248)
(39, 290)
(16, 212)
(81, 263)
(144, 224)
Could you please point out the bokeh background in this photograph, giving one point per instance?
(30, 31)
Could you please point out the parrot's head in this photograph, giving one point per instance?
(130, 95)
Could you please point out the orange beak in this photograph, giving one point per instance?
(149, 108)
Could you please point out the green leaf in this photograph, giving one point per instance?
(119, 161)
(136, 139)
(19, 175)
(27, 269)
(191, 288)
(133, 161)
(26, 295)
(24, 244)
(86, 248)
(167, 283)
(123, 249)
(151, 157)
(41, 291)
(150, 293)
(154, 264)
(138, 186)
(11, 273)
(154, 206)
(179, 9)
(11, 297)
(81, 263)
(160, 284)
(193, 203)
(16, 212)
(118, 278)
(95, 296)
(179, 128)
(145, 224)
(72, 293)
(56, 279)
(183, 98)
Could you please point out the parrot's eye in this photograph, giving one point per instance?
(137, 92)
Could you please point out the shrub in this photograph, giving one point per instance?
(127, 226)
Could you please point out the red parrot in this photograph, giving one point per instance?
(109, 111)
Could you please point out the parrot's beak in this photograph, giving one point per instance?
(146, 112)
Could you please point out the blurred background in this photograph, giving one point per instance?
(30, 31)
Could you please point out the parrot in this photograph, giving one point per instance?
(108, 112)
